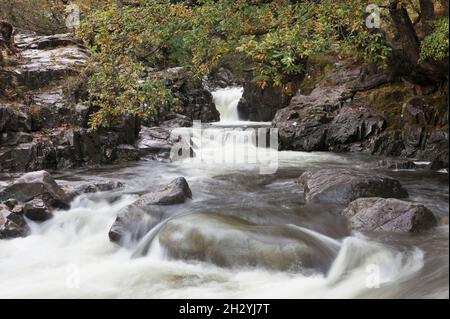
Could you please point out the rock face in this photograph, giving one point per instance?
(196, 100)
(135, 220)
(388, 215)
(47, 129)
(361, 109)
(342, 186)
(232, 242)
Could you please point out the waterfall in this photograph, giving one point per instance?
(226, 101)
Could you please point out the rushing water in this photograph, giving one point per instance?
(71, 256)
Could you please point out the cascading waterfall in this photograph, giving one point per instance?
(70, 255)
(226, 101)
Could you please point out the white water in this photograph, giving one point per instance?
(70, 256)
(226, 101)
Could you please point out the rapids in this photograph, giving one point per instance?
(70, 256)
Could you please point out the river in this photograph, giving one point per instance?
(70, 256)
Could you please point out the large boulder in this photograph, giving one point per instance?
(342, 186)
(37, 184)
(156, 142)
(135, 220)
(232, 242)
(388, 215)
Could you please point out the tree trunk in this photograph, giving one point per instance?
(427, 16)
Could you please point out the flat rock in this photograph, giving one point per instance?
(342, 186)
(388, 215)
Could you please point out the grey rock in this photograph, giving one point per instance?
(342, 186)
(37, 210)
(389, 215)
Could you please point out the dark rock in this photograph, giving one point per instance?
(221, 78)
(177, 192)
(126, 153)
(196, 101)
(389, 215)
(176, 120)
(396, 164)
(36, 210)
(36, 184)
(233, 242)
(440, 161)
(98, 187)
(132, 223)
(417, 111)
(353, 125)
(11, 203)
(342, 186)
(157, 142)
(12, 225)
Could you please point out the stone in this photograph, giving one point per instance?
(35, 184)
(177, 192)
(232, 242)
(389, 215)
(342, 186)
(12, 225)
(396, 164)
(36, 210)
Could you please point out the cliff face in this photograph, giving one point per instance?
(358, 108)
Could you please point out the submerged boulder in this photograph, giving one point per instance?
(342, 186)
(233, 242)
(389, 215)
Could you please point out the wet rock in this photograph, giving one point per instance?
(396, 164)
(98, 187)
(389, 215)
(440, 161)
(156, 142)
(352, 125)
(177, 192)
(176, 120)
(39, 67)
(37, 210)
(126, 153)
(417, 111)
(135, 220)
(221, 78)
(196, 101)
(132, 223)
(233, 242)
(342, 186)
(12, 225)
(36, 184)
(11, 203)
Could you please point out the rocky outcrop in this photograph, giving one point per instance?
(232, 242)
(388, 215)
(361, 109)
(135, 220)
(34, 196)
(342, 186)
(45, 128)
(157, 143)
(196, 101)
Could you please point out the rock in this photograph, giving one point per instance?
(14, 118)
(132, 223)
(233, 242)
(126, 153)
(156, 142)
(352, 125)
(135, 220)
(12, 225)
(36, 184)
(39, 67)
(396, 164)
(177, 192)
(196, 101)
(389, 215)
(221, 78)
(176, 120)
(417, 111)
(342, 186)
(11, 203)
(36, 210)
(440, 161)
(98, 187)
